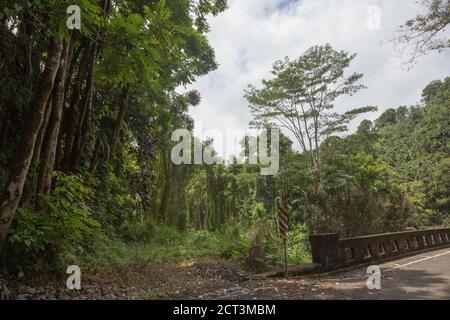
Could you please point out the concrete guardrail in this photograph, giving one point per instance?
(334, 253)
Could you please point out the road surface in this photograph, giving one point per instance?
(422, 276)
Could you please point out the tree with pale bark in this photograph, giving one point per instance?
(301, 98)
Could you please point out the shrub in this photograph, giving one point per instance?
(234, 243)
(299, 249)
(137, 231)
(65, 230)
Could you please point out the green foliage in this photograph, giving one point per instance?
(255, 243)
(135, 231)
(122, 201)
(416, 142)
(300, 98)
(150, 243)
(113, 204)
(66, 230)
(299, 250)
(235, 243)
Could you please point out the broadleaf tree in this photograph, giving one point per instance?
(301, 98)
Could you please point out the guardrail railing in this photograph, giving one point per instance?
(334, 253)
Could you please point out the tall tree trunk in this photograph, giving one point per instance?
(95, 156)
(41, 134)
(59, 147)
(5, 127)
(51, 141)
(84, 126)
(16, 180)
(120, 117)
(70, 116)
(73, 54)
(167, 186)
(76, 146)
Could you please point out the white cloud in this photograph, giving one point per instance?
(252, 34)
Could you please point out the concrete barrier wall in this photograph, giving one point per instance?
(334, 253)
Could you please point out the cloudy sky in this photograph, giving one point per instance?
(252, 34)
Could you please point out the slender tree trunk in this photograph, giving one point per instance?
(95, 156)
(316, 141)
(77, 146)
(5, 126)
(70, 116)
(49, 148)
(73, 54)
(59, 147)
(16, 180)
(41, 134)
(120, 117)
(85, 119)
(167, 187)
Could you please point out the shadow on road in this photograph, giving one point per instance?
(399, 284)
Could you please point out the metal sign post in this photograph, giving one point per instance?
(285, 259)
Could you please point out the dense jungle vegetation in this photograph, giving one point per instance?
(85, 142)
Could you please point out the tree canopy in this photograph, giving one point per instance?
(301, 96)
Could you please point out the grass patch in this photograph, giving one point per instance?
(161, 251)
(116, 254)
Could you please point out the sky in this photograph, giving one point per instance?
(252, 34)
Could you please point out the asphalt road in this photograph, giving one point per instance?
(422, 276)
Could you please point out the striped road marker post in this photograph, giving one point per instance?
(283, 227)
